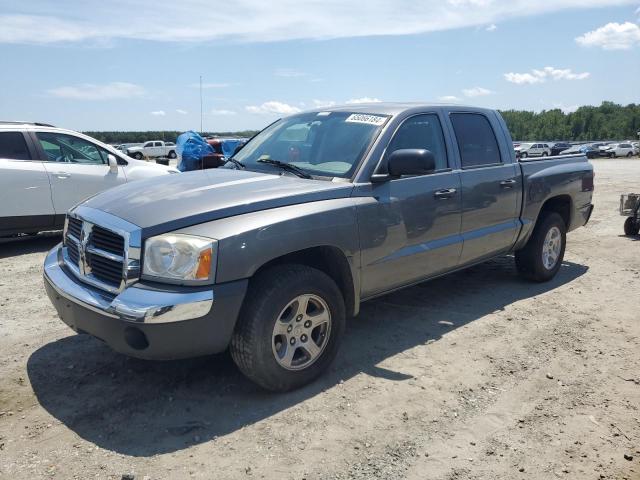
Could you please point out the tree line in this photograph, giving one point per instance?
(115, 138)
(609, 121)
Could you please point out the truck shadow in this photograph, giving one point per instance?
(12, 247)
(143, 408)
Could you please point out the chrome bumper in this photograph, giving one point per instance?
(134, 304)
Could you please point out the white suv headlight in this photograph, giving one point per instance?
(179, 258)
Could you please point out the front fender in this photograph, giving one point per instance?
(246, 242)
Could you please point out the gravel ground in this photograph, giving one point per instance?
(475, 375)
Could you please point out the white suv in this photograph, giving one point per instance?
(525, 150)
(45, 170)
(618, 150)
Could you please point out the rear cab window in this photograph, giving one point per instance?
(476, 140)
(13, 146)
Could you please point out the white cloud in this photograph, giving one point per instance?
(222, 113)
(612, 36)
(323, 103)
(491, 28)
(566, 108)
(181, 112)
(448, 98)
(273, 107)
(354, 101)
(259, 21)
(476, 92)
(159, 113)
(541, 76)
(90, 91)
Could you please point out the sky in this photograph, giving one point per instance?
(136, 64)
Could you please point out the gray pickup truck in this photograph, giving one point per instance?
(270, 254)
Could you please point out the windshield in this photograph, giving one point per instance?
(329, 144)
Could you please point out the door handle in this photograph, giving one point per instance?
(508, 183)
(445, 193)
(63, 174)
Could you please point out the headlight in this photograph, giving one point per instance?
(180, 258)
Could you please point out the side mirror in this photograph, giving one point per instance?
(411, 161)
(113, 163)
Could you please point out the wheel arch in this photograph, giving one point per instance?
(330, 260)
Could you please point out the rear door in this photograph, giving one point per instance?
(491, 186)
(77, 168)
(25, 194)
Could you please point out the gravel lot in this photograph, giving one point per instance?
(475, 375)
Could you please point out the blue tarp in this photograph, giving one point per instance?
(229, 146)
(191, 147)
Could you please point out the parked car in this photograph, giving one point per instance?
(45, 170)
(271, 253)
(153, 149)
(124, 146)
(586, 150)
(559, 147)
(618, 150)
(533, 150)
(223, 148)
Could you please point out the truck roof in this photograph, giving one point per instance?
(394, 108)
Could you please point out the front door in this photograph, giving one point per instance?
(77, 169)
(491, 188)
(412, 229)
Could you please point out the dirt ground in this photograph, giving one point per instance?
(478, 375)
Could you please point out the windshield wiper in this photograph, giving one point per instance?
(286, 166)
(239, 165)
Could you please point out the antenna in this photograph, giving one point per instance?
(201, 132)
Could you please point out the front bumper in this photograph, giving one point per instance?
(149, 321)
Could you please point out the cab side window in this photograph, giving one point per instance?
(476, 140)
(69, 149)
(421, 132)
(13, 146)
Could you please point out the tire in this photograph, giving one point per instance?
(631, 227)
(172, 154)
(530, 260)
(524, 155)
(544, 154)
(630, 154)
(138, 156)
(261, 353)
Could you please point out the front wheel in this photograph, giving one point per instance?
(630, 154)
(631, 227)
(137, 156)
(541, 257)
(544, 154)
(289, 328)
(523, 155)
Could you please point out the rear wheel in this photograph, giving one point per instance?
(137, 156)
(524, 155)
(172, 154)
(541, 257)
(289, 328)
(544, 154)
(631, 227)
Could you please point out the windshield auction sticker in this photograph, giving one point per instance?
(364, 118)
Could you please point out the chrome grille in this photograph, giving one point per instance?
(108, 241)
(75, 227)
(102, 250)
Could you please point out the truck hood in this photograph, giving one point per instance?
(167, 203)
